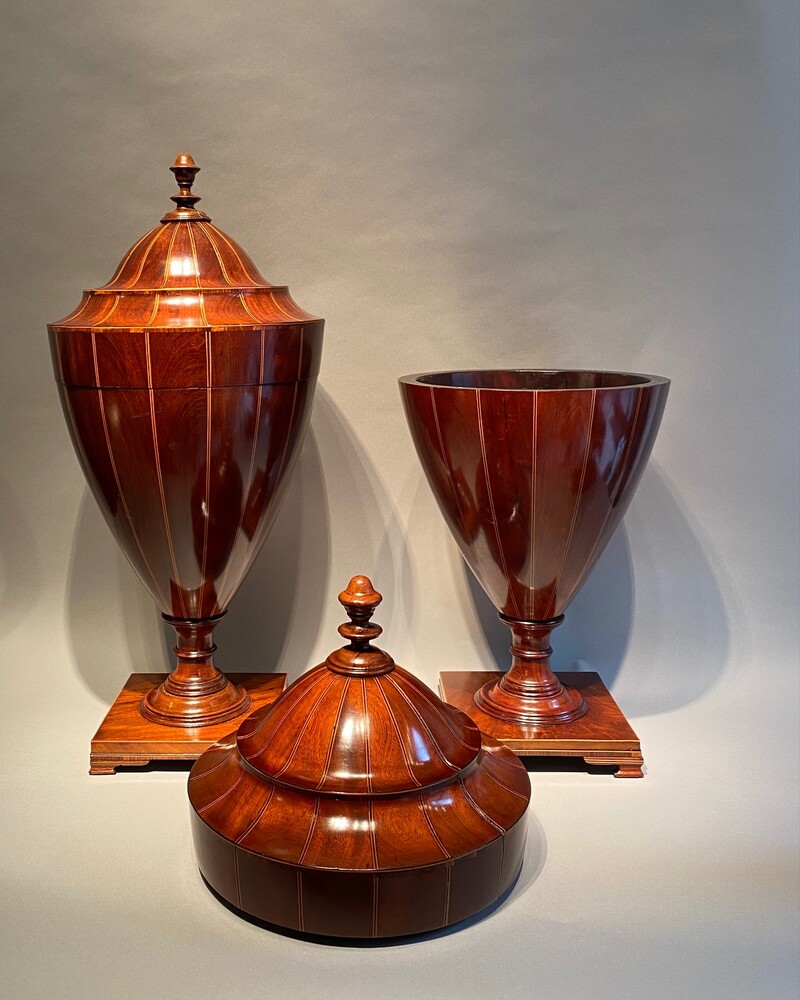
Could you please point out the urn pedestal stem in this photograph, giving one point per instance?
(529, 692)
(196, 693)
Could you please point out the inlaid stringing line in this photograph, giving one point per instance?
(432, 828)
(256, 434)
(168, 258)
(396, 728)
(105, 319)
(502, 862)
(156, 233)
(446, 918)
(280, 308)
(481, 812)
(257, 820)
(497, 781)
(300, 921)
(207, 235)
(446, 719)
(248, 310)
(390, 680)
(367, 734)
(443, 453)
(238, 882)
(304, 727)
(491, 506)
(621, 477)
(216, 767)
(331, 745)
(554, 596)
(262, 529)
(375, 903)
(235, 253)
(373, 842)
(129, 254)
(534, 434)
(221, 796)
(307, 844)
(159, 475)
(116, 474)
(154, 313)
(283, 709)
(200, 298)
(207, 511)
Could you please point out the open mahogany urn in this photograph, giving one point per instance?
(187, 382)
(533, 471)
(359, 805)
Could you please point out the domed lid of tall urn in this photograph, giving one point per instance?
(185, 273)
(358, 724)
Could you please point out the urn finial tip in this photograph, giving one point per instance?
(185, 170)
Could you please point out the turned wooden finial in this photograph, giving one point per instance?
(185, 170)
(360, 657)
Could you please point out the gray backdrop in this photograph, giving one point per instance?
(512, 183)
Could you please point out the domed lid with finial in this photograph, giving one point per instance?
(369, 727)
(185, 276)
(359, 804)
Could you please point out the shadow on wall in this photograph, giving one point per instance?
(20, 570)
(681, 612)
(287, 601)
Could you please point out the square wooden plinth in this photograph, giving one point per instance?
(602, 736)
(127, 739)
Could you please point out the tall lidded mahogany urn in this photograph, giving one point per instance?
(187, 382)
(533, 471)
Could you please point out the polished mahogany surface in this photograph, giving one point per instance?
(187, 382)
(359, 805)
(533, 471)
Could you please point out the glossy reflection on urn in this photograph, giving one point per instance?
(187, 382)
(359, 805)
(533, 471)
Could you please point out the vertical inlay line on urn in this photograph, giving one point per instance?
(303, 728)
(251, 314)
(367, 735)
(375, 902)
(207, 510)
(216, 767)
(216, 253)
(159, 475)
(396, 727)
(445, 460)
(222, 795)
(446, 718)
(156, 233)
(491, 504)
(253, 451)
(531, 557)
(439, 752)
(265, 526)
(168, 258)
(373, 842)
(257, 820)
(578, 497)
(446, 916)
(237, 255)
(311, 828)
(300, 921)
(279, 307)
(118, 273)
(482, 813)
(282, 709)
(432, 828)
(237, 879)
(201, 302)
(620, 477)
(511, 791)
(334, 728)
(111, 311)
(115, 472)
